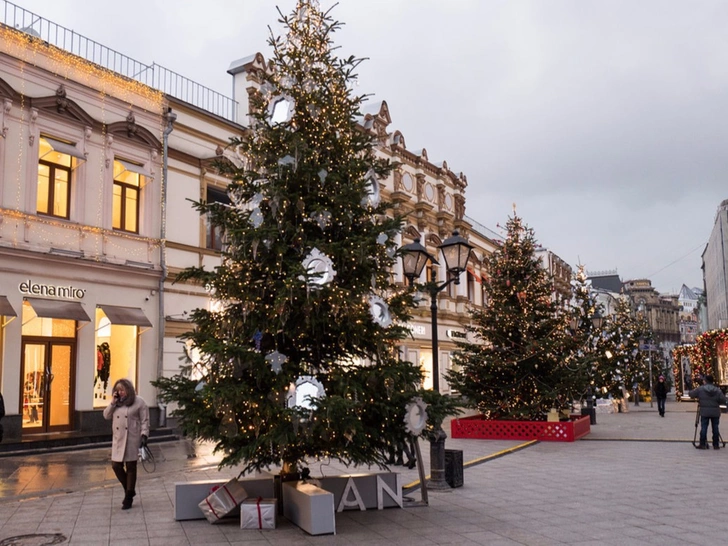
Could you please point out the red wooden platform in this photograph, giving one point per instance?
(476, 427)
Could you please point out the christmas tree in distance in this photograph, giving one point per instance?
(514, 369)
(298, 355)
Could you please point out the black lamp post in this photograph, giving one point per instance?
(597, 322)
(456, 251)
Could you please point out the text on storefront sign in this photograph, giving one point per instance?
(37, 289)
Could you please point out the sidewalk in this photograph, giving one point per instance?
(626, 483)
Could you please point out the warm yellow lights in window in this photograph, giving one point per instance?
(47, 153)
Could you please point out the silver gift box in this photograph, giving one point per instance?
(258, 514)
(224, 501)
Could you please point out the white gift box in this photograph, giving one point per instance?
(258, 513)
(223, 501)
(309, 507)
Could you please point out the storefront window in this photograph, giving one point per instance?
(116, 356)
(48, 368)
(33, 325)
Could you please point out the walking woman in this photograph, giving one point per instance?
(661, 395)
(130, 428)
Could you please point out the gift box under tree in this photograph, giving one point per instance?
(258, 513)
(223, 501)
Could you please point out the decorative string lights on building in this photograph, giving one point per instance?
(74, 233)
(706, 350)
(73, 68)
(33, 51)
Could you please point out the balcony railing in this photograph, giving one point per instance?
(153, 75)
(486, 232)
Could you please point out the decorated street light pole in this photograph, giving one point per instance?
(456, 252)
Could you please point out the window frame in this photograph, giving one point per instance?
(125, 187)
(214, 235)
(50, 197)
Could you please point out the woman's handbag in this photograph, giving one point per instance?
(147, 459)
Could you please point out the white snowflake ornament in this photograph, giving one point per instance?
(380, 311)
(319, 269)
(276, 361)
(415, 416)
(281, 109)
(373, 195)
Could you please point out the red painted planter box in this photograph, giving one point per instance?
(476, 427)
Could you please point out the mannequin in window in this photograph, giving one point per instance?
(103, 364)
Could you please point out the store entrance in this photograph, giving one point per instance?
(47, 385)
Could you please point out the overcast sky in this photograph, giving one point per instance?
(603, 121)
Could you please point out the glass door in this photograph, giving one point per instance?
(47, 385)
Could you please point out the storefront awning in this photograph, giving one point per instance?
(72, 310)
(6, 309)
(129, 316)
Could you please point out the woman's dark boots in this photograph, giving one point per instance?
(127, 477)
(128, 500)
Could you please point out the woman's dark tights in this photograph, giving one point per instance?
(127, 477)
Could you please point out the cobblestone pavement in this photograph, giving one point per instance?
(636, 479)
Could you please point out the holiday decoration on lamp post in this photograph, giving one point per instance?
(298, 356)
(456, 252)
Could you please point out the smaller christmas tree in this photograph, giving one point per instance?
(627, 364)
(515, 369)
(587, 351)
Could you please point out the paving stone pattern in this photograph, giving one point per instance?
(635, 480)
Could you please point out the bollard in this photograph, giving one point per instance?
(437, 461)
(162, 416)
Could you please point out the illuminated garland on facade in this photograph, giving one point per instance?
(53, 236)
(703, 355)
(74, 68)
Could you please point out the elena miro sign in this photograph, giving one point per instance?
(30, 288)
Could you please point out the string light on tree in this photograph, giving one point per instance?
(297, 281)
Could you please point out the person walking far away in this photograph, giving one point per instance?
(661, 395)
(130, 429)
(710, 399)
(2, 414)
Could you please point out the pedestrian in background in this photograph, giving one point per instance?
(710, 399)
(2, 414)
(129, 431)
(661, 394)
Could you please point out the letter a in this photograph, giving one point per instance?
(345, 503)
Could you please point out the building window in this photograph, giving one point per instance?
(55, 166)
(117, 347)
(127, 188)
(214, 234)
(471, 286)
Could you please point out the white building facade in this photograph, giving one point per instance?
(715, 263)
(97, 173)
(80, 162)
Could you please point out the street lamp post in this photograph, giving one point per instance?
(597, 321)
(456, 251)
(591, 402)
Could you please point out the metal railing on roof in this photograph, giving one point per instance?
(487, 232)
(153, 75)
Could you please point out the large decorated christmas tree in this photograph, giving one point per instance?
(297, 355)
(515, 369)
